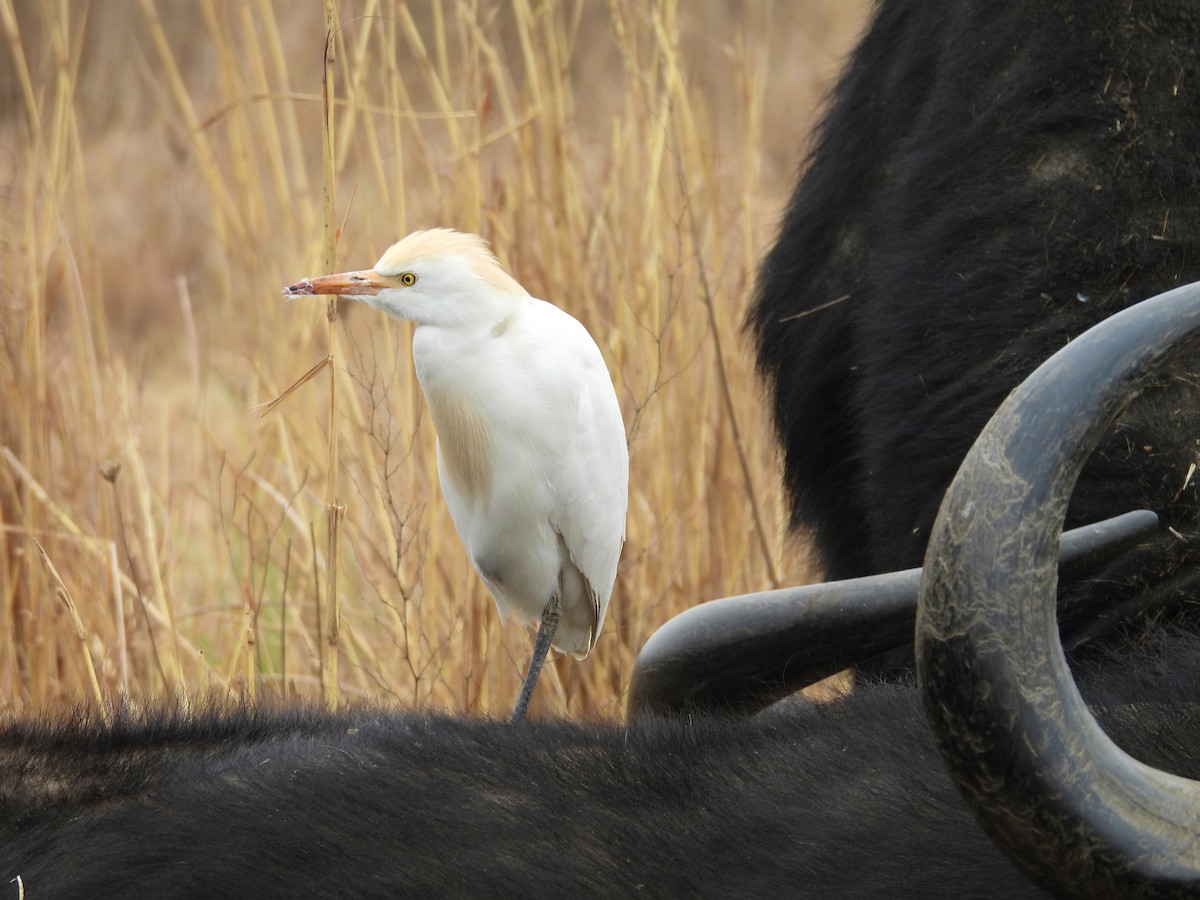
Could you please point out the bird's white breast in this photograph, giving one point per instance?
(466, 442)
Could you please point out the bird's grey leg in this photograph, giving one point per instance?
(541, 646)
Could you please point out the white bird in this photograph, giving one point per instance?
(531, 447)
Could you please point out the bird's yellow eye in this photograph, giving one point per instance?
(408, 279)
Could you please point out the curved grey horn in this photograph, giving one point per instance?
(1073, 810)
(737, 655)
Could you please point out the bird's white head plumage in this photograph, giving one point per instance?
(433, 277)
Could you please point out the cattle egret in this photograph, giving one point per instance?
(531, 447)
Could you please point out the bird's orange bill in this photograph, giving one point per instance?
(344, 284)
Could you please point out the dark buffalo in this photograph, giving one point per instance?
(847, 799)
(991, 179)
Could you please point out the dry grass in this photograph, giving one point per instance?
(162, 166)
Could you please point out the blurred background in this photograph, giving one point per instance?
(162, 177)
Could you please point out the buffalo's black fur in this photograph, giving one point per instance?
(990, 180)
(847, 799)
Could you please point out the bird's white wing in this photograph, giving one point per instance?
(592, 482)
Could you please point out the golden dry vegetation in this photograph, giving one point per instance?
(162, 168)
